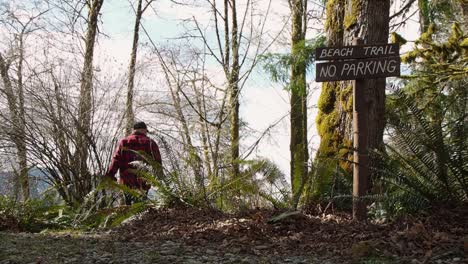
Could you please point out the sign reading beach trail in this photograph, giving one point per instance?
(357, 62)
(357, 52)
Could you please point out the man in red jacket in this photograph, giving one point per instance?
(129, 151)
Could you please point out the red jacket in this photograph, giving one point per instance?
(125, 153)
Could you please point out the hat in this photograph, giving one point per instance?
(140, 125)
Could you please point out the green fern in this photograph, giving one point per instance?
(423, 165)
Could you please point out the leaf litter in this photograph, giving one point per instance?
(438, 237)
(193, 235)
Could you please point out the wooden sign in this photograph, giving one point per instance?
(373, 61)
(357, 69)
(357, 52)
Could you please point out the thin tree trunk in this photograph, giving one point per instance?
(21, 126)
(234, 94)
(298, 143)
(203, 128)
(64, 154)
(200, 103)
(215, 153)
(13, 109)
(424, 16)
(86, 101)
(194, 158)
(129, 113)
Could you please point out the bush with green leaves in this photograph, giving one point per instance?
(33, 215)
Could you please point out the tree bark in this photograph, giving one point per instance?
(424, 16)
(200, 100)
(129, 113)
(21, 126)
(86, 101)
(298, 103)
(16, 131)
(369, 21)
(234, 94)
(194, 158)
(335, 104)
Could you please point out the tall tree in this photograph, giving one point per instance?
(347, 21)
(369, 21)
(298, 142)
(17, 129)
(233, 84)
(86, 90)
(13, 88)
(129, 113)
(335, 109)
(237, 52)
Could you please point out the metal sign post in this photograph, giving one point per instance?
(374, 61)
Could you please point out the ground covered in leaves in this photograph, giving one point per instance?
(188, 235)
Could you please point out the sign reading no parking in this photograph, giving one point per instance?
(357, 62)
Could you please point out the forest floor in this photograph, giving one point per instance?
(206, 236)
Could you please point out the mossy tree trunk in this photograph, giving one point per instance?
(346, 21)
(424, 16)
(368, 20)
(335, 102)
(298, 117)
(335, 109)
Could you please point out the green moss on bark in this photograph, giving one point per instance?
(352, 17)
(333, 21)
(346, 98)
(327, 99)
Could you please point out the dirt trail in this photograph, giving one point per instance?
(47, 248)
(203, 236)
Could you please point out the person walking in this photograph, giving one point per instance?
(132, 150)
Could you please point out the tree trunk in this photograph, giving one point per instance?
(86, 101)
(17, 125)
(424, 16)
(346, 21)
(199, 96)
(298, 118)
(21, 126)
(369, 21)
(61, 138)
(234, 94)
(129, 114)
(335, 105)
(194, 158)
